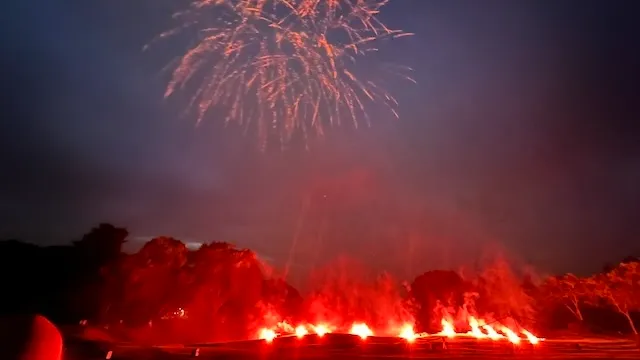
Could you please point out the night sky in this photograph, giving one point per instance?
(519, 135)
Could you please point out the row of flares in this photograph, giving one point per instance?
(480, 329)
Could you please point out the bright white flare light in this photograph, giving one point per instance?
(362, 330)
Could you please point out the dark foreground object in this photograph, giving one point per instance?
(29, 337)
(349, 347)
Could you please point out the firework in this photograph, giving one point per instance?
(281, 66)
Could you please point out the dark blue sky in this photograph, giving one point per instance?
(521, 131)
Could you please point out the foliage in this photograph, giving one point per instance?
(501, 293)
(619, 288)
(344, 292)
(432, 289)
(101, 245)
(567, 290)
(220, 292)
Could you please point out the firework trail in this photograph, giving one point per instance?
(282, 65)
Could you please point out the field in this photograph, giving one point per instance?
(334, 346)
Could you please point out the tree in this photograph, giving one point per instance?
(84, 263)
(432, 289)
(502, 293)
(620, 288)
(567, 290)
(222, 287)
(149, 282)
(284, 297)
(101, 245)
(339, 292)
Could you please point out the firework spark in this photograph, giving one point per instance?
(285, 66)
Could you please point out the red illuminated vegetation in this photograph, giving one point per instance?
(168, 293)
(220, 293)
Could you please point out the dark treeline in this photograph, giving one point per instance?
(50, 279)
(221, 292)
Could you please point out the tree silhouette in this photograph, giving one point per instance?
(567, 290)
(153, 277)
(102, 245)
(619, 288)
(433, 288)
(501, 292)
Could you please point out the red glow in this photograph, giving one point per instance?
(447, 329)
(512, 336)
(362, 330)
(321, 330)
(479, 329)
(532, 338)
(407, 333)
(301, 331)
(267, 335)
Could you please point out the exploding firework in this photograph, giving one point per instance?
(286, 66)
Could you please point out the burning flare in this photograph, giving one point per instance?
(362, 330)
(267, 335)
(301, 331)
(479, 329)
(447, 329)
(407, 333)
(320, 329)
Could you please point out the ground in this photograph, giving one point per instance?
(349, 347)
